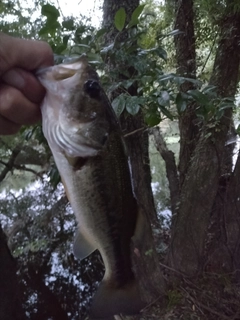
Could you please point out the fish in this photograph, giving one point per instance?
(87, 144)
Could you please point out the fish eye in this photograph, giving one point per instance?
(93, 88)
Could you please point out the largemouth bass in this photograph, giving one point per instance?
(86, 141)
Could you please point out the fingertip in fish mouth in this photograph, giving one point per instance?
(41, 71)
(67, 69)
(72, 60)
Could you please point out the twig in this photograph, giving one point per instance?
(192, 301)
(174, 270)
(22, 167)
(214, 41)
(190, 283)
(150, 304)
(133, 132)
(9, 165)
(206, 307)
(59, 7)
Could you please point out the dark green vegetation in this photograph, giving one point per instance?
(160, 64)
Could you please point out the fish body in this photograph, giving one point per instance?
(86, 141)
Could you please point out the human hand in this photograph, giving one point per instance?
(20, 91)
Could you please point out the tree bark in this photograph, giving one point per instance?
(232, 219)
(186, 67)
(200, 186)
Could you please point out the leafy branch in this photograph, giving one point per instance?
(10, 164)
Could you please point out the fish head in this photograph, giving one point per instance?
(76, 114)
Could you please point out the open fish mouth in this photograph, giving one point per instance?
(65, 70)
(61, 72)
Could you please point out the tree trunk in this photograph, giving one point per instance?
(232, 219)
(10, 306)
(200, 185)
(137, 143)
(171, 168)
(186, 67)
(144, 256)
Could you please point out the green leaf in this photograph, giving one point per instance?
(229, 100)
(225, 105)
(181, 102)
(68, 24)
(179, 80)
(50, 11)
(50, 27)
(164, 98)
(127, 83)
(161, 53)
(149, 252)
(80, 31)
(60, 48)
(118, 104)
(208, 89)
(175, 33)
(107, 49)
(166, 77)
(132, 105)
(166, 112)
(200, 97)
(44, 30)
(100, 32)
(120, 19)
(54, 176)
(65, 40)
(135, 15)
(146, 79)
(152, 118)
(94, 58)
(82, 45)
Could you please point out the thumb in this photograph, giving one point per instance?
(25, 54)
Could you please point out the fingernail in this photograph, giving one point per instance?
(14, 78)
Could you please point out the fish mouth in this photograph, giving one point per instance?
(66, 70)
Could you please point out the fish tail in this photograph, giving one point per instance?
(109, 301)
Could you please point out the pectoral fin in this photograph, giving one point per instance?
(82, 247)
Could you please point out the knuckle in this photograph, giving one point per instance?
(7, 98)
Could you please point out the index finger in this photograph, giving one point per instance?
(22, 53)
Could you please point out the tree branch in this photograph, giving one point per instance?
(10, 164)
(171, 168)
(24, 168)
